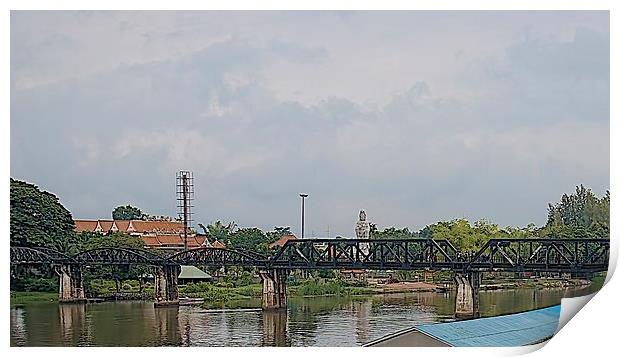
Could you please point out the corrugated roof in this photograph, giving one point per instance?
(191, 272)
(500, 331)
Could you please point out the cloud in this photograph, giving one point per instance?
(511, 127)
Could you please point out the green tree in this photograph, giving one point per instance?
(390, 233)
(277, 233)
(39, 219)
(578, 215)
(468, 238)
(127, 212)
(252, 239)
(116, 273)
(219, 231)
(113, 240)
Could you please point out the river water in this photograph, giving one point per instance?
(311, 321)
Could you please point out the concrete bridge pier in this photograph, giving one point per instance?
(274, 288)
(71, 283)
(467, 294)
(166, 285)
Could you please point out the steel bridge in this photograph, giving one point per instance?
(575, 256)
(506, 255)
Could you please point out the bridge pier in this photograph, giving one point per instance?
(467, 294)
(274, 288)
(166, 285)
(71, 283)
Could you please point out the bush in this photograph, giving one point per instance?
(224, 284)
(35, 285)
(200, 287)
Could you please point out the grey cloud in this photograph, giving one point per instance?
(119, 135)
(298, 53)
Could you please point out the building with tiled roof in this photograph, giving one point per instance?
(104, 226)
(157, 226)
(218, 244)
(124, 226)
(166, 235)
(85, 225)
(128, 226)
(280, 242)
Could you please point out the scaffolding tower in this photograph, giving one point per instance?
(185, 196)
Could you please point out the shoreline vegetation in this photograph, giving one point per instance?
(222, 294)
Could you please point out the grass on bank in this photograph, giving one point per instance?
(21, 298)
(221, 295)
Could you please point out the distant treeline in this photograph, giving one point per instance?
(39, 219)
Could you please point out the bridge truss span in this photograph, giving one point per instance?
(541, 255)
(119, 256)
(398, 254)
(218, 257)
(507, 254)
(38, 255)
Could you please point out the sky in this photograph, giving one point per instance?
(414, 116)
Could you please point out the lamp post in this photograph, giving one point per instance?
(303, 197)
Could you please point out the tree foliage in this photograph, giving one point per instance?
(252, 239)
(578, 215)
(38, 218)
(118, 273)
(218, 231)
(391, 233)
(113, 240)
(470, 238)
(127, 213)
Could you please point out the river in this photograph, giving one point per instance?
(309, 321)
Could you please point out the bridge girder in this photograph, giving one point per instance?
(217, 257)
(119, 256)
(510, 255)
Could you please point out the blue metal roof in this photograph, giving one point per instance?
(500, 331)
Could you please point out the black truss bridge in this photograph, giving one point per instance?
(507, 254)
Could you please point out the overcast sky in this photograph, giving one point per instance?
(414, 116)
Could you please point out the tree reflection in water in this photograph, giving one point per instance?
(317, 321)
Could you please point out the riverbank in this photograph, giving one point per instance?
(215, 296)
(22, 298)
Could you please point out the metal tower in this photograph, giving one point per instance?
(185, 196)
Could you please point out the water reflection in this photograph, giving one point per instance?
(73, 327)
(275, 328)
(318, 321)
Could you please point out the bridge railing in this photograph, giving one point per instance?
(366, 254)
(551, 255)
(506, 254)
(218, 257)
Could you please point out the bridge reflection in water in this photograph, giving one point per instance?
(318, 321)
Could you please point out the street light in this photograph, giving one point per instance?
(303, 197)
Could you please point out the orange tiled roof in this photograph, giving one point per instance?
(353, 271)
(82, 225)
(157, 226)
(280, 242)
(218, 244)
(195, 242)
(105, 225)
(169, 239)
(122, 225)
(151, 241)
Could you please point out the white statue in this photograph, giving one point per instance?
(362, 228)
(362, 231)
